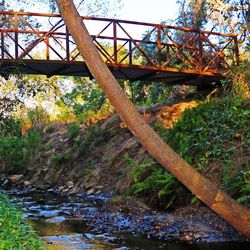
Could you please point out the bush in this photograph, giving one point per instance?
(15, 233)
(9, 126)
(153, 181)
(73, 130)
(16, 151)
(240, 80)
(38, 117)
(214, 138)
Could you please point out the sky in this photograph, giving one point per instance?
(148, 11)
(136, 10)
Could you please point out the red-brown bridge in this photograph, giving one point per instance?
(33, 43)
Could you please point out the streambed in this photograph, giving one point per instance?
(80, 222)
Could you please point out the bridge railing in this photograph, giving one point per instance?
(35, 36)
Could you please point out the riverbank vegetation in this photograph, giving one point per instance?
(15, 233)
(214, 138)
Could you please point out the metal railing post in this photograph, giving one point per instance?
(115, 42)
(159, 45)
(67, 45)
(130, 53)
(2, 45)
(16, 35)
(200, 54)
(47, 47)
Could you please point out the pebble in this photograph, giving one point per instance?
(15, 178)
(27, 183)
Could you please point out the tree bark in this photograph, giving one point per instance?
(235, 214)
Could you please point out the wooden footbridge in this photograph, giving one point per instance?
(35, 43)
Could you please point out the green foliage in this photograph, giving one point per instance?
(146, 95)
(16, 150)
(152, 180)
(73, 130)
(240, 84)
(38, 117)
(10, 126)
(49, 128)
(60, 159)
(15, 233)
(85, 96)
(214, 138)
(215, 135)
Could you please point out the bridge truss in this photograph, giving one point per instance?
(35, 43)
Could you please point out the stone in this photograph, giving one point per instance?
(27, 183)
(65, 190)
(4, 182)
(15, 178)
(91, 191)
(56, 219)
(75, 190)
(70, 184)
(61, 188)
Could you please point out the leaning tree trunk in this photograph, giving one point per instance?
(237, 215)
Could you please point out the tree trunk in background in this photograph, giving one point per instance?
(235, 214)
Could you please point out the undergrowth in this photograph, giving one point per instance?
(16, 150)
(15, 233)
(214, 138)
(155, 183)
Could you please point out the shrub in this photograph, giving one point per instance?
(73, 130)
(240, 80)
(154, 182)
(214, 138)
(15, 233)
(16, 151)
(38, 117)
(9, 126)
(61, 158)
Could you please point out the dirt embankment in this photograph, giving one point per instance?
(80, 159)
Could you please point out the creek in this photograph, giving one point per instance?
(77, 222)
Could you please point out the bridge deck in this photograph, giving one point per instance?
(36, 43)
(127, 72)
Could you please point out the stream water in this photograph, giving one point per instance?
(55, 219)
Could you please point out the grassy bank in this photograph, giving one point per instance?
(15, 233)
